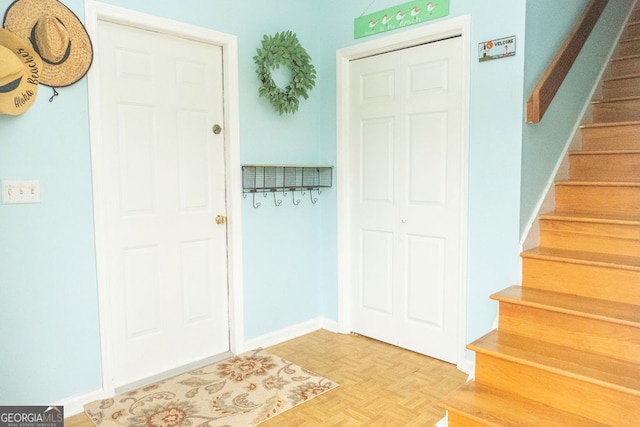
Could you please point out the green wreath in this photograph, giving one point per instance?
(284, 49)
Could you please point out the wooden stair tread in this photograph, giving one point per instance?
(594, 217)
(576, 183)
(600, 152)
(623, 58)
(630, 39)
(581, 257)
(609, 124)
(593, 368)
(621, 77)
(592, 308)
(493, 407)
(620, 99)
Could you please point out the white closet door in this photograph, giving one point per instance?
(406, 182)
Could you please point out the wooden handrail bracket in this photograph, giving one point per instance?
(559, 67)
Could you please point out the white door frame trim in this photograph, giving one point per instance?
(95, 12)
(424, 34)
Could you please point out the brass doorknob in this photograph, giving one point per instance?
(217, 129)
(221, 219)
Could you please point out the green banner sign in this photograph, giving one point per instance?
(399, 16)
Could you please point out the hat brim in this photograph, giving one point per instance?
(19, 99)
(22, 16)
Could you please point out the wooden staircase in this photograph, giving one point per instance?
(567, 348)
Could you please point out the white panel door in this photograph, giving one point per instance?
(163, 177)
(406, 174)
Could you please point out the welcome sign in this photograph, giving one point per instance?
(496, 49)
(399, 16)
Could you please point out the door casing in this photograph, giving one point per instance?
(95, 12)
(425, 34)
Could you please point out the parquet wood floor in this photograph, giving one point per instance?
(380, 384)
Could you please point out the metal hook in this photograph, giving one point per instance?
(313, 200)
(277, 202)
(293, 198)
(255, 205)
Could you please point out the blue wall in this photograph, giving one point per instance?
(49, 323)
(544, 143)
(49, 336)
(48, 292)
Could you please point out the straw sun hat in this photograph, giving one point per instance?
(19, 74)
(57, 35)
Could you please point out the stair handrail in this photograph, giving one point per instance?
(557, 70)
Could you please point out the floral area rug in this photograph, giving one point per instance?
(243, 390)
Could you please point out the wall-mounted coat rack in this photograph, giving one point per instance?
(285, 179)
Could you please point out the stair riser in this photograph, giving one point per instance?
(620, 111)
(611, 137)
(607, 283)
(455, 419)
(607, 200)
(620, 88)
(605, 167)
(590, 237)
(632, 30)
(624, 67)
(605, 405)
(627, 48)
(580, 333)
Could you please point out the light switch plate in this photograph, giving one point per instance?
(22, 191)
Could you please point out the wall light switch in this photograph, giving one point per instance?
(20, 191)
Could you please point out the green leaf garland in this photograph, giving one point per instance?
(284, 49)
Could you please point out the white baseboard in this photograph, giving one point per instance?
(291, 332)
(468, 367)
(75, 405)
(330, 325)
(172, 372)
